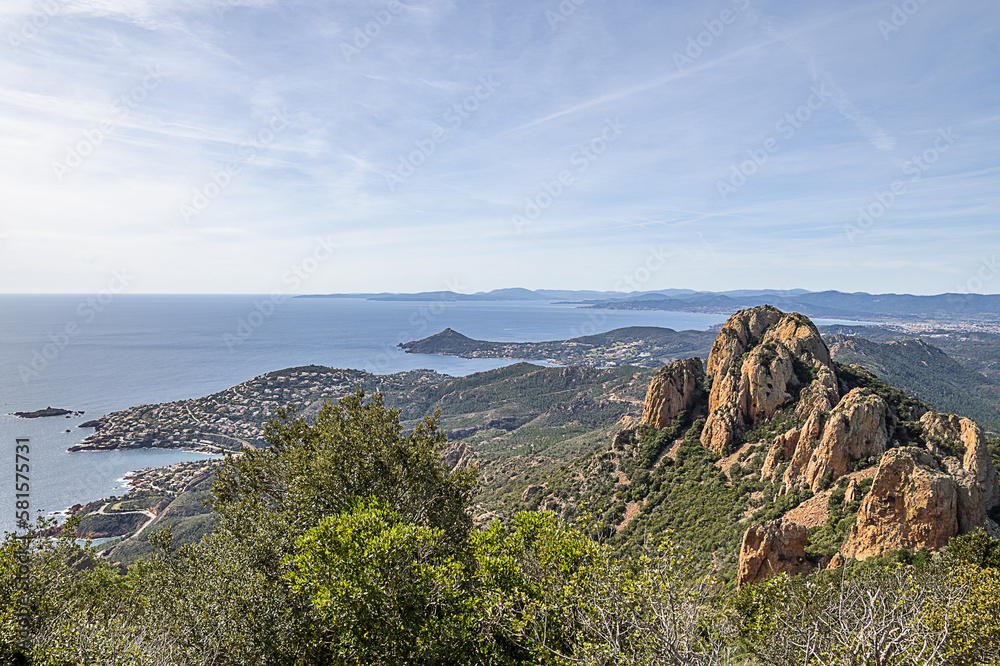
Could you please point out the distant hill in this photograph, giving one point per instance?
(976, 308)
(646, 346)
(448, 343)
(919, 368)
(926, 372)
(506, 416)
(977, 351)
(980, 309)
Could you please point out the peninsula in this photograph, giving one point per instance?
(643, 346)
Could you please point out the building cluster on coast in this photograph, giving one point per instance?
(229, 420)
(172, 478)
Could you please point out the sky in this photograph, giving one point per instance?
(307, 146)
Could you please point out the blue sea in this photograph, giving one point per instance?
(102, 355)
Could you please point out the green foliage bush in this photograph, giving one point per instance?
(347, 542)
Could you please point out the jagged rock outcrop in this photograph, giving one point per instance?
(675, 388)
(827, 445)
(932, 476)
(457, 455)
(530, 493)
(782, 449)
(756, 361)
(975, 473)
(944, 426)
(720, 429)
(778, 546)
(857, 428)
(853, 492)
(913, 504)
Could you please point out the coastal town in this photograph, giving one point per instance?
(234, 419)
(230, 420)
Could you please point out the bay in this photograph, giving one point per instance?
(105, 354)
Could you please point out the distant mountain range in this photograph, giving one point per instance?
(514, 294)
(822, 304)
(583, 297)
(827, 304)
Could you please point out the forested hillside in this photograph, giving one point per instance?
(927, 373)
(753, 510)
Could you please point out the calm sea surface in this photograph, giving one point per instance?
(77, 353)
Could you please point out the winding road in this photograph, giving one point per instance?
(148, 514)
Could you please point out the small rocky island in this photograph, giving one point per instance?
(48, 411)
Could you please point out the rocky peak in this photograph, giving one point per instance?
(675, 388)
(931, 474)
(756, 361)
(740, 332)
(853, 492)
(949, 436)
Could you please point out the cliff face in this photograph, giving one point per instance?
(858, 427)
(931, 474)
(675, 388)
(913, 504)
(761, 361)
(978, 489)
(921, 497)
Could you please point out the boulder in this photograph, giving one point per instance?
(778, 546)
(853, 492)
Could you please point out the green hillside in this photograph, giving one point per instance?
(927, 373)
